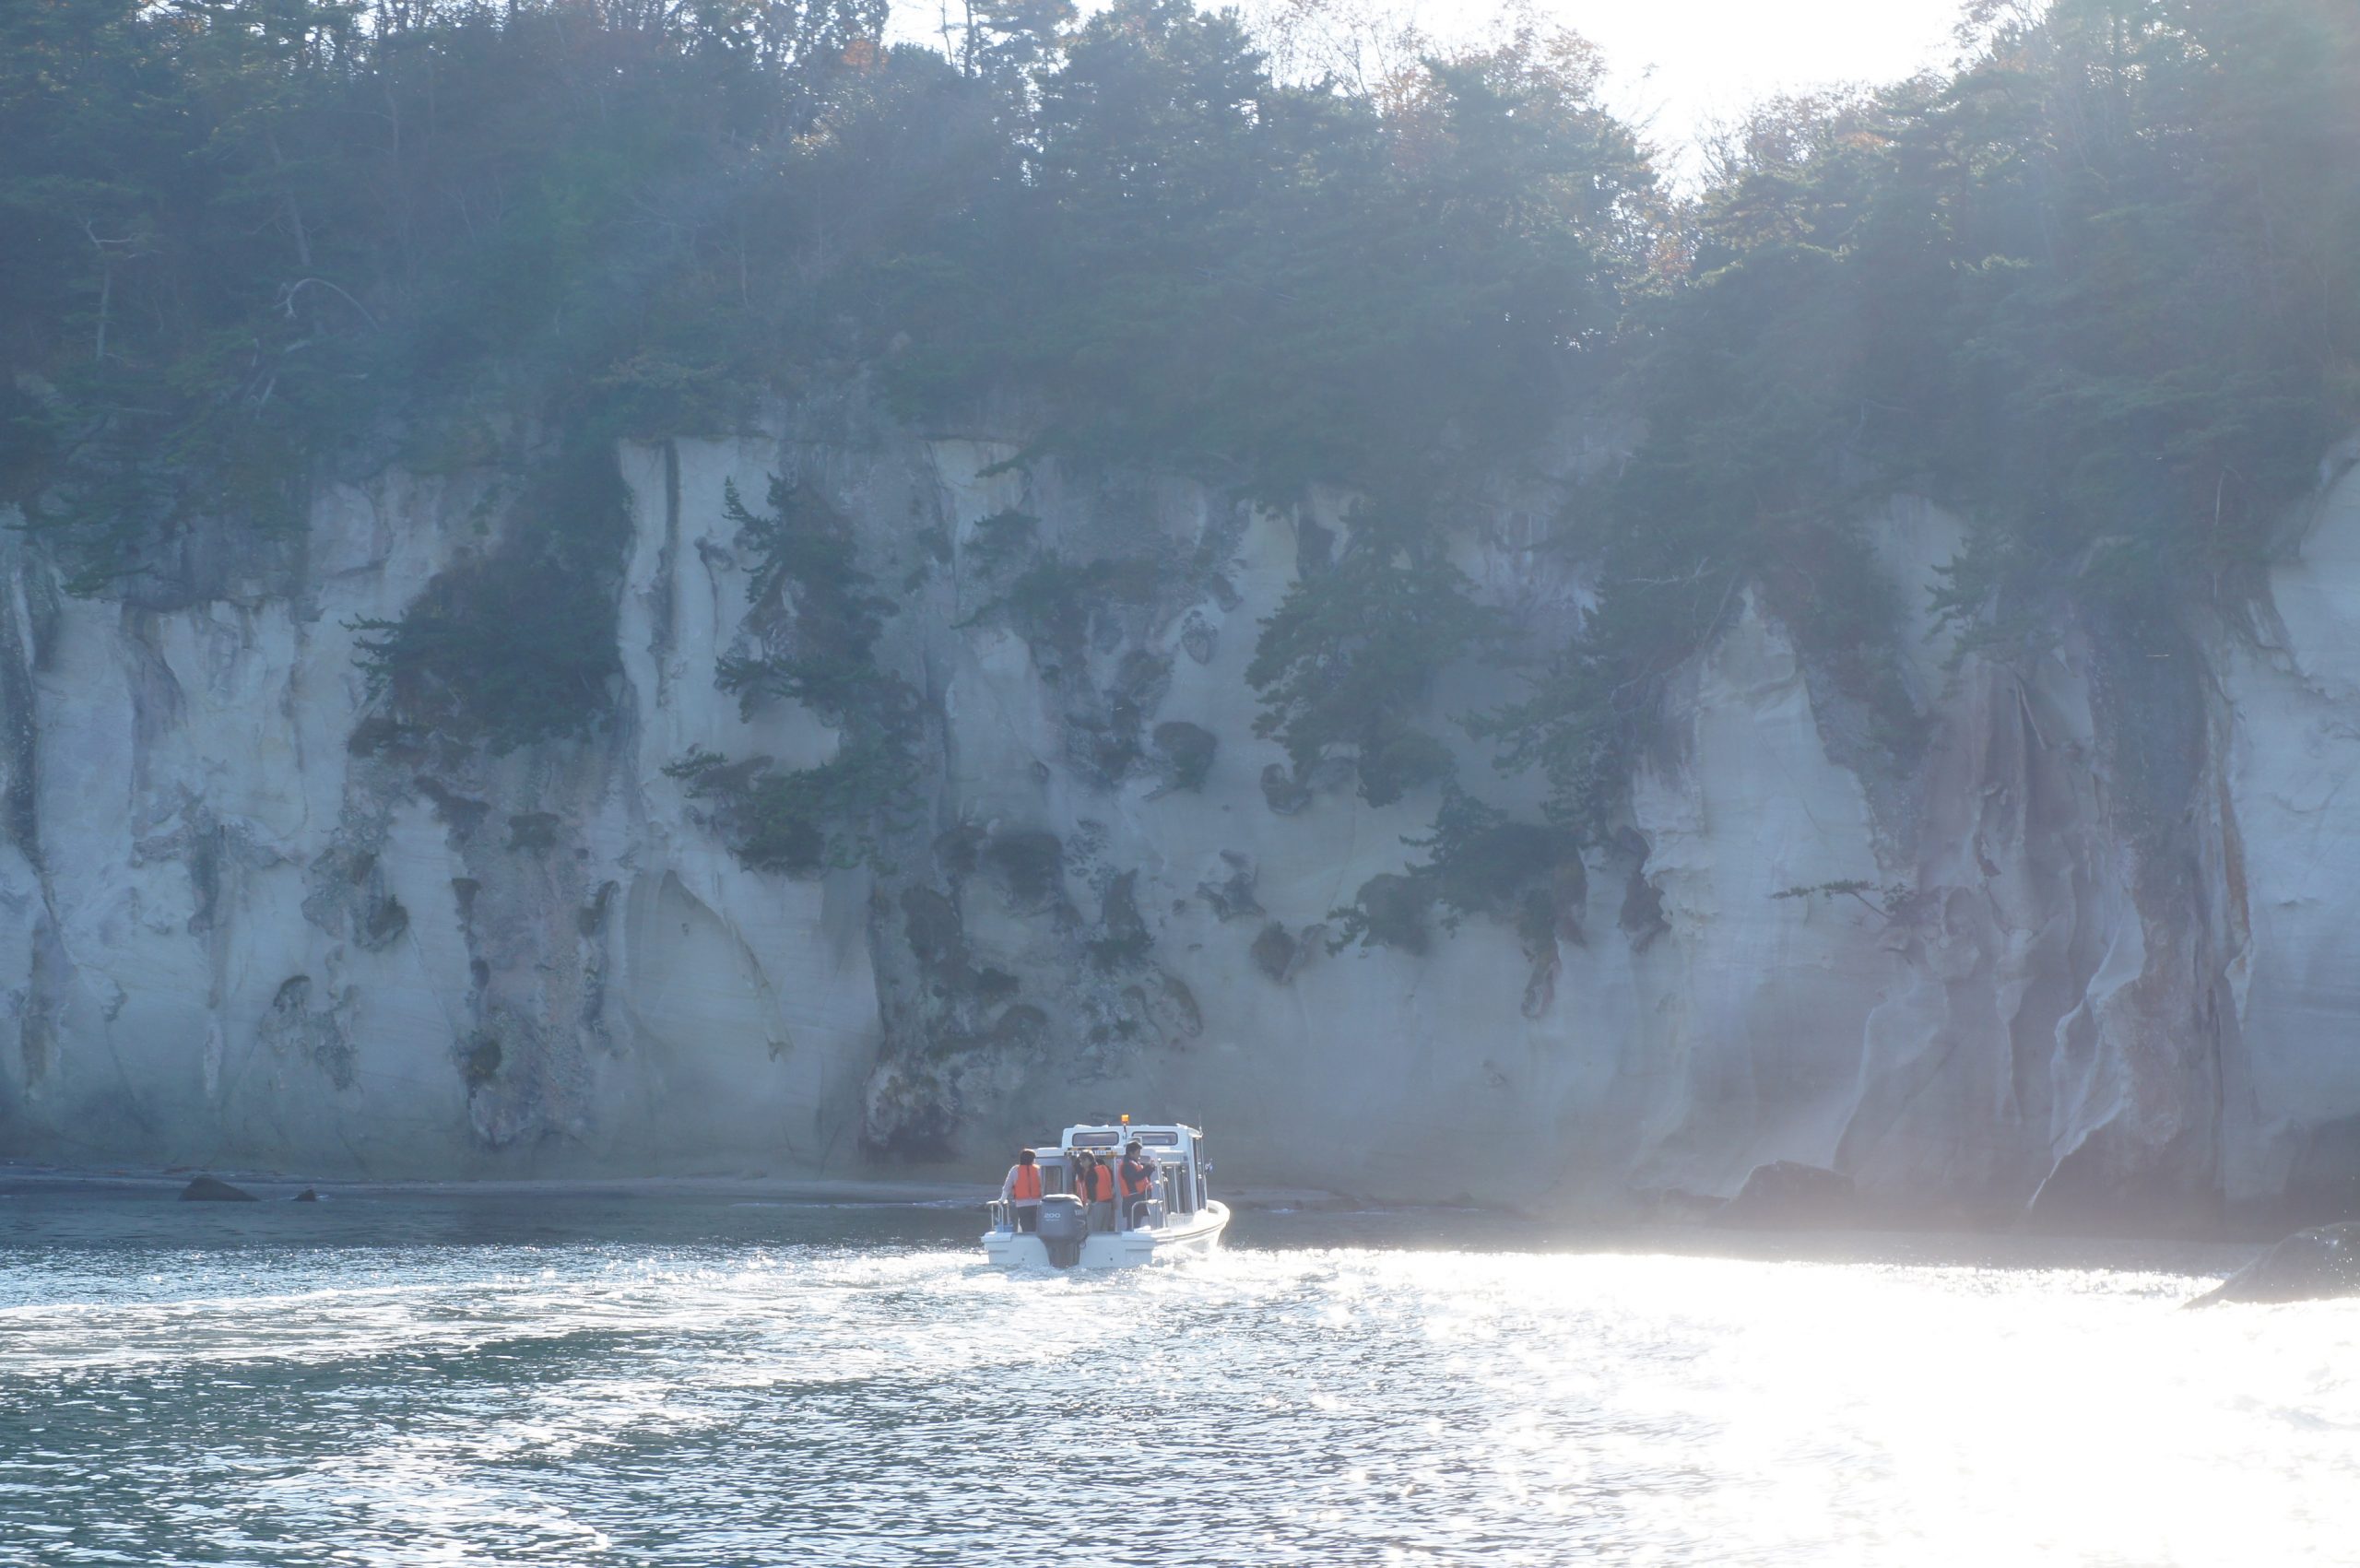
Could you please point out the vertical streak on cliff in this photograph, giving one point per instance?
(2231, 930)
(914, 928)
(19, 801)
(661, 610)
(46, 972)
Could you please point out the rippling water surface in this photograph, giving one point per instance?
(701, 1382)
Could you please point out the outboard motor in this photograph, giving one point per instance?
(1065, 1225)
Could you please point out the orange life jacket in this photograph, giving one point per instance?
(1134, 1187)
(1026, 1188)
(1101, 1184)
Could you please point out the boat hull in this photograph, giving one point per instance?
(1196, 1235)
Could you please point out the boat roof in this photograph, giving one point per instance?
(1152, 1136)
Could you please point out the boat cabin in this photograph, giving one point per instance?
(1182, 1172)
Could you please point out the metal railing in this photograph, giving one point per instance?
(1153, 1213)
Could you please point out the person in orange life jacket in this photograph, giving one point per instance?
(1021, 1192)
(1094, 1183)
(1135, 1180)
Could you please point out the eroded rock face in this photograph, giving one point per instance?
(238, 921)
(2310, 1265)
(1784, 1194)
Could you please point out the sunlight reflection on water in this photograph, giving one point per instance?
(406, 1381)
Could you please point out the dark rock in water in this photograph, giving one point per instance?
(308, 1195)
(2310, 1265)
(205, 1189)
(1786, 1191)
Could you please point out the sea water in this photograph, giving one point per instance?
(702, 1381)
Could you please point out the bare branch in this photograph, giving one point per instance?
(288, 292)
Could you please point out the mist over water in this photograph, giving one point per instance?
(610, 1380)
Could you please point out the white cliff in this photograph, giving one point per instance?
(2291, 857)
(229, 934)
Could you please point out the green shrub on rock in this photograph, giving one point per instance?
(517, 647)
(1353, 651)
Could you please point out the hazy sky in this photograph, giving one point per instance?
(1682, 64)
(1685, 63)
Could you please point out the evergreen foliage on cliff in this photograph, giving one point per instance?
(2094, 291)
(250, 236)
(516, 645)
(814, 625)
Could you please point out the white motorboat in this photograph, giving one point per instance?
(1179, 1219)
